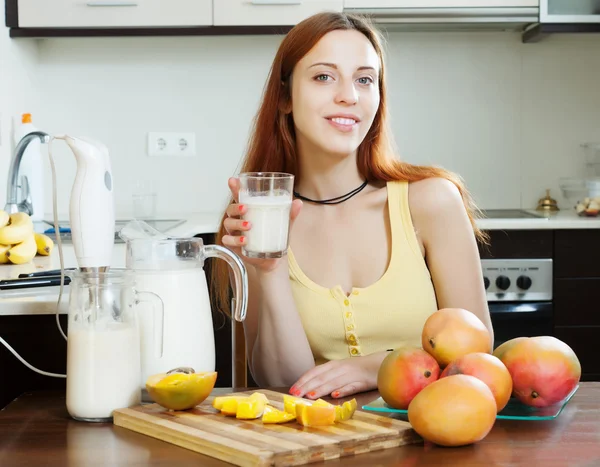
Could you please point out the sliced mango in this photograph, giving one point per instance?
(345, 411)
(273, 415)
(289, 403)
(250, 409)
(321, 403)
(311, 415)
(220, 400)
(230, 406)
(180, 389)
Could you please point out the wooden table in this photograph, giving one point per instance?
(35, 430)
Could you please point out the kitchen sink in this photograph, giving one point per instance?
(47, 227)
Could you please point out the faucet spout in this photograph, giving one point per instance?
(12, 201)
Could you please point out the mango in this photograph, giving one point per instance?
(544, 370)
(457, 410)
(250, 409)
(289, 403)
(311, 415)
(345, 411)
(403, 373)
(180, 388)
(450, 333)
(488, 369)
(273, 415)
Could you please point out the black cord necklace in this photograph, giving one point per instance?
(336, 200)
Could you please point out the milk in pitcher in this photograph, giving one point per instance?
(103, 370)
(187, 312)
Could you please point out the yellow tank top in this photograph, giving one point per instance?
(384, 315)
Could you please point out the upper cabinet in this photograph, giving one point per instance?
(440, 3)
(114, 13)
(269, 12)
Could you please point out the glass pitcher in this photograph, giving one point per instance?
(103, 344)
(172, 268)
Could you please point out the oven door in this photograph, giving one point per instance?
(520, 319)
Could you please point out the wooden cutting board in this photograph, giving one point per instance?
(252, 443)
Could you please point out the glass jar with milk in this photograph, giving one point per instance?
(103, 345)
(268, 198)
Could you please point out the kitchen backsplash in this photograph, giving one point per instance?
(508, 117)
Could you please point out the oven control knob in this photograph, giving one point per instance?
(523, 282)
(502, 282)
(486, 282)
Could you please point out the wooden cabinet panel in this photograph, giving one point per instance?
(577, 302)
(577, 253)
(518, 244)
(584, 342)
(113, 13)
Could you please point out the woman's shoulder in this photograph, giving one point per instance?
(433, 197)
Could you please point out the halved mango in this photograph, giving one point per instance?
(273, 415)
(311, 415)
(180, 389)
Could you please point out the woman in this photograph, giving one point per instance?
(364, 271)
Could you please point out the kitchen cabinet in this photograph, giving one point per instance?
(576, 299)
(269, 12)
(114, 13)
(440, 3)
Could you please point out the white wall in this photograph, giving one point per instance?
(19, 92)
(509, 117)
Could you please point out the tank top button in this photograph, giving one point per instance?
(346, 302)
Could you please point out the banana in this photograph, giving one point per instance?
(3, 250)
(23, 252)
(4, 218)
(19, 228)
(44, 244)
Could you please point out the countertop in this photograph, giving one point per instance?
(35, 429)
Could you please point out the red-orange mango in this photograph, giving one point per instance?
(403, 373)
(544, 370)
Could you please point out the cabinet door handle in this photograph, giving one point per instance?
(112, 3)
(276, 2)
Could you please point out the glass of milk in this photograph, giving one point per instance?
(268, 198)
(103, 345)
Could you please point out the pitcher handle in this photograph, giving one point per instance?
(240, 276)
(157, 309)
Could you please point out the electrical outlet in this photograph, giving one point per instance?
(171, 144)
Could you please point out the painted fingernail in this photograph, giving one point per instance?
(335, 394)
(312, 394)
(245, 224)
(241, 207)
(293, 389)
(242, 239)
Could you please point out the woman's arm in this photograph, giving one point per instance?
(278, 349)
(451, 252)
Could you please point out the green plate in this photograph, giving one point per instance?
(514, 410)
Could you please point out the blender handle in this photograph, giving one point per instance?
(240, 276)
(158, 308)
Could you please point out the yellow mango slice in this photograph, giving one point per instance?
(289, 403)
(220, 400)
(345, 411)
(250, 409)
(321, 403)
(259, 396)
(311, 415)
(230, 406)
(273, 415)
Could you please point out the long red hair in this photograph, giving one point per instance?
(272, 146)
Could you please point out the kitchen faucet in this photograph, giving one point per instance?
(12, 203)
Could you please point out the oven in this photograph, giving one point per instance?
(519, 295)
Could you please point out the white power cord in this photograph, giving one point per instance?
(62, 271)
